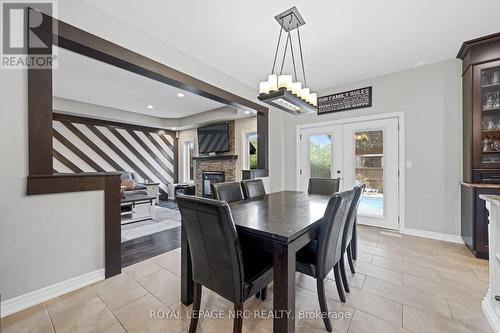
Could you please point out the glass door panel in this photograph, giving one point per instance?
(320, 156)
(490, 79)
(369, 170)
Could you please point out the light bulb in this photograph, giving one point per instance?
(285, 81)
(314, 99)
(272, 81)
(296, 87)
(304, 93)
(264, 87)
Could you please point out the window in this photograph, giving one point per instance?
(250, 151)
(188, 161)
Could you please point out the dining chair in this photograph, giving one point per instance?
(253, 188)
(218, 260)
(320, 256)
(323, 186)
(348, 232)
(228, 191)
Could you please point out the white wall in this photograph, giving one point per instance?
(48, 239)
(430, 98)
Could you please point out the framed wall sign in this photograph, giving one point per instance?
(347, 100)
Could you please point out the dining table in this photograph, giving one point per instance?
(280, 223)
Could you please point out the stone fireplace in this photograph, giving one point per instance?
(208, 178)
(211, 166)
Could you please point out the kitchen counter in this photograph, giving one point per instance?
(491, 302)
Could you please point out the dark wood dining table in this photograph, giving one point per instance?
(281, 223)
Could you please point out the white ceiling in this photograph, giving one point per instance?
(87, 80)
(343, 41)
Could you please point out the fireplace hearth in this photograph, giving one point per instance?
(208, 178)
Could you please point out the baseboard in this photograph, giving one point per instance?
(25, 301)
(490, 315)
(433, 235)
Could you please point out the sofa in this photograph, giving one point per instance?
(132, 184)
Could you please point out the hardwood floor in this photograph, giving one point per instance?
(142, 248)
(402, 284)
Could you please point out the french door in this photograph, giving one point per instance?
(360, 152)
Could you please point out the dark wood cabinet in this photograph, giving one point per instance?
(481, 109)
(481, 136)
(475, 218)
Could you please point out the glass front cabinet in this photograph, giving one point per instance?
(481, 109)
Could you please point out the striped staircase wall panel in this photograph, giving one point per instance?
(90, 145)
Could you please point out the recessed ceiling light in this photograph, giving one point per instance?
(180, 95)
(247, 112)
(421, 63)
(173, 128)
(149, 106)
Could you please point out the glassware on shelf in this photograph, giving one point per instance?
(496, 104)
(486, 144)
(495, 78)
(490, 102)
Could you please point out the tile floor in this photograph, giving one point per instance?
(402, 284)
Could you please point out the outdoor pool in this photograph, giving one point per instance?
(372, 205)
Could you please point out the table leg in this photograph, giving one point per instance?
(284, 289)
(187, 284)
(354, 241)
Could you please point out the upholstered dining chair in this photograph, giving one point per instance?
(219, 262)
(323, 186)
(228, 191)
(320, 256)
(348, 232)
(253, 188)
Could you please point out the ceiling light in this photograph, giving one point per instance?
(173, 128)
(149, 106)
(284, 91)
(247, 112)
(180, 95)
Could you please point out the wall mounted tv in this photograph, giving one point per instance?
(213, 138)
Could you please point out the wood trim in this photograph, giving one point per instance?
(91, 144)
(160, 148)
(74, 149)
(150, 152)
(139, 156)
(99, 122)
(116, 150)
(70, 165)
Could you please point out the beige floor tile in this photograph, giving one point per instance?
(408, 296)
(171, 261)
(379, 272)
(90, 316)
(469, 314)
(482, 275)
(420, 321)
(448, 289)
(71, 301)
(364, 323)
(355, 280)
(142, 269)
(33, 320)
(147, 314)
(425, 272)
(381, 252)
(364, 257)
(163, 285)
(119, 290)
(371, 303)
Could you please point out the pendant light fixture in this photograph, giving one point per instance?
(285, 91)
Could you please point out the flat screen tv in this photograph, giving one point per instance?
(213, 138)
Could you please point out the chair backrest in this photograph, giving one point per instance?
(214, 245)
(228, 191)
(253, 188)
(323, 186)
(329, 248)
(351, 217)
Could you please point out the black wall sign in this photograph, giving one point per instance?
(347, 100)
